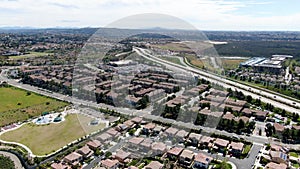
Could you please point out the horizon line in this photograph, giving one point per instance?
(94, 27)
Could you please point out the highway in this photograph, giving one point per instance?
(275, 100)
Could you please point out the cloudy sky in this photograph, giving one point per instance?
(203, 14)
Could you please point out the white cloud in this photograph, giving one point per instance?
(204, 14)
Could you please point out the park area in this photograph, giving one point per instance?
(30, 55)
(45, 139)
(19, 105)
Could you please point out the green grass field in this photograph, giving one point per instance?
(19, 105)
(30, 55)
(45, 139)
(294, 154)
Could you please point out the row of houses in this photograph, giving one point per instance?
(77, 157)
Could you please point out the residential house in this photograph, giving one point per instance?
(134, 143)
(202, 161)
(206, 142)
(247, 112)
(154, 165)
(104, 137)
(279, 129)
(146, 145)
(260, 115)
(181, 135)
(121, 127)
(174, 153)
(132, 100)
(122, 156)
(157, 129)
(279, 157)
(113, 132)
(137, 120)
(194, 139)
(273, 165)
(85, 151)
(275, 147)
(94, 144)
(73, 158)
(59, 166)
(129, 124)
(148, 128)
(236, 148)
(170, 133)
(158, 148)
(220, 144)
(186, 157)
(110, 164)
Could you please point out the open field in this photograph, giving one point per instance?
(172, 59)
(19, 105)
(231, 63)
(174, 47)
(45, 139)
(30, 55)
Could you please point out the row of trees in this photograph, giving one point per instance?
(288, 135)
(236, 126)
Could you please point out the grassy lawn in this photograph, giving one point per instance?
(294, 154)
(222, 166)
(246, 149)
(44, 139)
(30, 55)
(296, 165)
(19, 105)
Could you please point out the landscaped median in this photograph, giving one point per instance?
(46, 139)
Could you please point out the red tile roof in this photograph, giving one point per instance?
(175, 151)
(202, 158)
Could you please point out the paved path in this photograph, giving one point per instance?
(14, 158)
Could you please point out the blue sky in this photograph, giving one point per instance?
(240, 15)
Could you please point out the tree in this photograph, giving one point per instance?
(286, 134)
(6, 162)
(108, 154)
(249, 99)
(241, 125)
(225, 165)
(283, 113)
